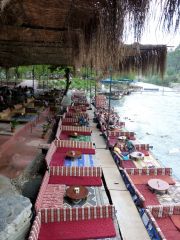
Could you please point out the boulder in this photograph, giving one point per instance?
(15, 212)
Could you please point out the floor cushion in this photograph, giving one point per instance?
(76, 230)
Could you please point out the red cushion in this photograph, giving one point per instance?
(58, 159)
(168, 228)
(64, 136)
(150, 197)
(165, 223)
(145, 152)
(87, 229)
(83, 150)
(79, 132)
(176, 221)
(143, 179)
(69, 123)
(171, 234)
(127, 164)
(112, 142)
(74, 180)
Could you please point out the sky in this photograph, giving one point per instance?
(154, 33)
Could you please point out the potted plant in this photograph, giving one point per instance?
(13, 125)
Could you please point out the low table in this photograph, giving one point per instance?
(73, 154)
(77, 124)
(73, 134)
(136, 156)
(158, 185)
(77, 193)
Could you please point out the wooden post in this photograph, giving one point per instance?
(33, 78)
(109, 107)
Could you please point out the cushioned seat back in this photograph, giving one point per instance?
(149, 171)
(74, 114)
(164, 210)
(73, 144)
(66, 145)
(140, 147)
(70, 120)
(75, 171)
(76, 129)
(120, 133)
(76, 214)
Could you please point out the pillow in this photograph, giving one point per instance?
(117, 150)
(126, 157)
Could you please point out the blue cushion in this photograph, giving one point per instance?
(126, 157)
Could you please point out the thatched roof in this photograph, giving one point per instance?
(77, 32)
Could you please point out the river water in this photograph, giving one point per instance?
(155, 118)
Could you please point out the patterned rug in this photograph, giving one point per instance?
(88, 160)
(81, 138)
(172, 196)
(94, 198)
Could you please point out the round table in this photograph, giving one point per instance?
(73, 154)
(136, 155)
(77, 196)
(73, 134)
(77, 124)
(158, 185)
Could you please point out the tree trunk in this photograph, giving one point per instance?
(68, 81)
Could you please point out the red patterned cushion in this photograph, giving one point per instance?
(87, 229)
(143, 179)
(73, 180)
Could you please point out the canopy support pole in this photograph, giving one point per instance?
(109, 108)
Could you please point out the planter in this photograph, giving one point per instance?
(12, 129)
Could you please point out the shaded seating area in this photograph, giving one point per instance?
(70, 121)
(74, 223)
(122, 163)
(58, 150)
(144, 148)
(136, 181)
(141, 176)
(162, 222)
(76, 114)
(65, 132)
(113, 136)
(78, 108)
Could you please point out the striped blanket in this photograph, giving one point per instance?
(86, 160)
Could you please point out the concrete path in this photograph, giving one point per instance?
(129, 220)
(21, 150)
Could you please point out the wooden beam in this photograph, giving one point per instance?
(24, 34)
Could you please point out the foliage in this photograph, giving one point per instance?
(14, 123)
(172, 74)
